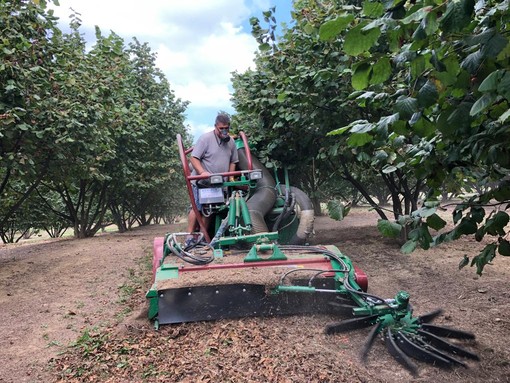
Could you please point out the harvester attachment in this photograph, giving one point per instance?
(251, 262)
(406, 336)
(267, 280)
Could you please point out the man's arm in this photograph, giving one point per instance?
(197, 165)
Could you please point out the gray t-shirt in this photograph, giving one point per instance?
(215, 155)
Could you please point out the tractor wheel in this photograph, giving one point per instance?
(298, 227)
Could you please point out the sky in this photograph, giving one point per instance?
(198, 43)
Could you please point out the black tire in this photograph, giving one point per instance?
(305, 214)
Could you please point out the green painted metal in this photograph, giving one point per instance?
(251, 238)
(295, 289)
(245, 213)
(152, 296)
(167, 271)
(254, 255)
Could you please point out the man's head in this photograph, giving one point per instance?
(222, 126)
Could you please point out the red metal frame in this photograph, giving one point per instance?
(183, 153)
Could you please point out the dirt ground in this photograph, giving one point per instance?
(74, 311)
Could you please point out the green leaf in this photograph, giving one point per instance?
(436, 222)
(472, 62)
(501, 220)
(490, 83)
(495, 45)
(502, 192)
(486, 256)
(264, 47)
(358, 41)
(504, 248)
(359, 139)
(460, 117)
(338, 131)
(504, 85)
(362, 127)
(381, 71)
(457, 16)
(457, 215)
(406, 106)
(466, 226)
(389, 169)
(480, 233)
(408, 247)
(477, 213)
(373, 9)
(504, 116)
(482, 103)
(428, 94)
(418, 15)
(330, 29)
(337, 210)
(464, 262)
(388, 228)
(361, 76)
(425, 212)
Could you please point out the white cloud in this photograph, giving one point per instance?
(204, 95)
(197, 129)
(198, 42)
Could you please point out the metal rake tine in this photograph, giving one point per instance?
(441, 353)
(430, 316)
(370, 341)
(420, 353)
(447, 332)
(399, 355)
(447, 346)
(351, 324)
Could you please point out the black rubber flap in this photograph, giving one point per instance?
(205, 303)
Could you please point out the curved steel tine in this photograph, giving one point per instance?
(370, 341)
(418, 352)
(430, 316)
(399, 355)
(442, 354)
(351, 324)
(447, 332)
(447, 346)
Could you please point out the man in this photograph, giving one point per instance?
(214, 152)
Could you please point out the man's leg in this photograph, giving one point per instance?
(192, 221)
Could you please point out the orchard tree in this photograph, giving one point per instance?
(95, 127)
(421, 100)
(445, 75)
(299, 92)
(145, 169)
(26, 143)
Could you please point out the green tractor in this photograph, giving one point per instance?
(254, 260)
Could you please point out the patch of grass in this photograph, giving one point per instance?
(136, 284)
(53, 343)
(89, 342)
